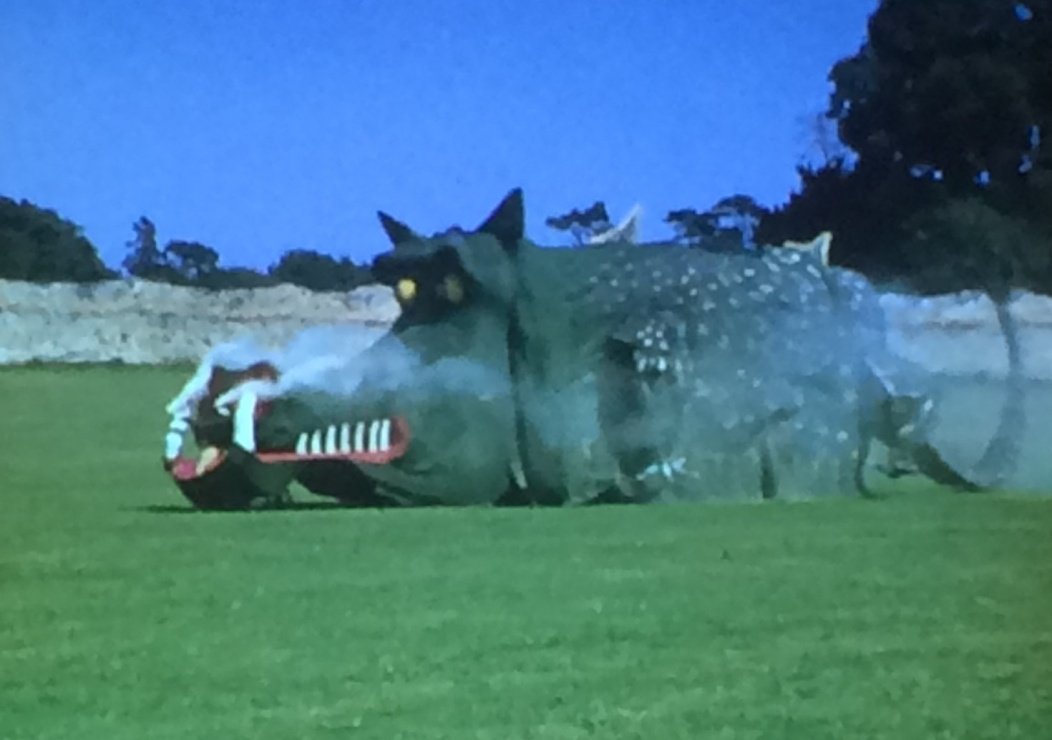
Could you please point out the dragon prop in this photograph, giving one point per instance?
(521, 374)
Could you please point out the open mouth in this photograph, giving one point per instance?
(373, 442)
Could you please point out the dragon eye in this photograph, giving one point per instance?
(453, 289)
(405, 289)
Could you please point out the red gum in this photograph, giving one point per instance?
(185, 468)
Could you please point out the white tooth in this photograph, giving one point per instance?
(374, 433)
(173, 445)
(315, 442)
(385, 435)
(245, 422)
(330, 440)
(345, 438)
(208, 456)
(359, 437)
(301, 444)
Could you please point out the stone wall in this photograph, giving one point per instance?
(145, 323)
(959, 334)
(141, 322)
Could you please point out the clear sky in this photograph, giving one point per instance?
(258, 127)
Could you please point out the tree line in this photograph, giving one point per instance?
(195, 264)
(935, 173)
(38, 245)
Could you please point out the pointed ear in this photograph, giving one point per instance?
(819, 246)
(628, 229)
(507, 222)
(396, 231)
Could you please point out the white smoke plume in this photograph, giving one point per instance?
(313, 354)
(336, 360)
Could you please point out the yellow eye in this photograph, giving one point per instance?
(453, 289)
(405, 289)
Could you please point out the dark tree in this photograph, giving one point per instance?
(728, 226)
(583, 225)
(37, 244)
(144, 259)
(690, 225)
(187, 263)
(193, 262)
(740, 213)
(236, 278)
(954, 87)
(946, 100)
(319, 272)
(865, 208)
(968, 243)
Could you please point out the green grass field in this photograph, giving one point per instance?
(124, 615)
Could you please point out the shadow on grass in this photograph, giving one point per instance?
(294, 506)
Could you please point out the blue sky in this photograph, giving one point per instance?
(258, 127)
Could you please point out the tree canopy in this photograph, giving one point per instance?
(192, 263)
(38, 245)
(955, 87)
(583, 224)
(947, 107)
(321, 272)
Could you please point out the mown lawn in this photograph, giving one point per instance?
(123, 615)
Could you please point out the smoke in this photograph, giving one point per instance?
(339, 342)
(343, 360)
(566, 418)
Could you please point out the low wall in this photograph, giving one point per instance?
(150, 323)
(141, 322)
(959, 334)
